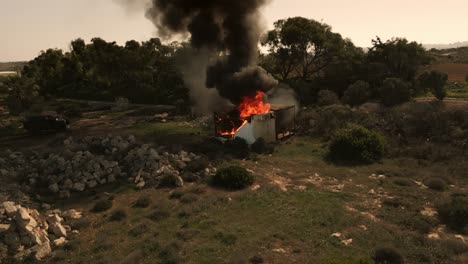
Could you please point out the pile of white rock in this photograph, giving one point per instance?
(87, 163)
(29, 234)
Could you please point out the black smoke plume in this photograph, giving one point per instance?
(230, 28)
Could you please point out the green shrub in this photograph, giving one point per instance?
(403, 182)
(188, 198)
(142, 202)
(356, 144)
(118, 215)
(436, 184)
(387, 255)
(454, 212)
(394, 91)
(454, 245)
(159, 214)
(357, 93)
(331, 118)
(435, 81)
(327, 97)
(139, 230)
(198, 165)
(233, 177)
(101, 206)
(170, 254)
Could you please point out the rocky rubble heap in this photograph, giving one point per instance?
(93, 161)
(28, 234)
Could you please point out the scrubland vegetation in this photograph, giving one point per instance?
(376, 173)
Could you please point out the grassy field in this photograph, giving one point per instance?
(301, 209)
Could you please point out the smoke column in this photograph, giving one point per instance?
(229, 28)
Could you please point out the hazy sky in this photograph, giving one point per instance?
(29, 26)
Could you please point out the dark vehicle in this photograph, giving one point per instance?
(46, 122)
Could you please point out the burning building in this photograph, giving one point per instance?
(254, 119)
(226, 34)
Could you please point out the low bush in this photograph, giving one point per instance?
(455, 246)
(188, 198)
(118, 215)
(197, 165)
(176, 195)
(436, 184)
(170, 253)
(403, 182)
(327, 97)
(331, 118)
(142, 202)
(159, 214)
(387, 255)
(101, 206)
(394, 91)
(256, 260)
(356, 144)
(139, 230)
(357, 93)
(454, 212)
(233, 177)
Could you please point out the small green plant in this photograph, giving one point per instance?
(197, 165)
(118, 215)
(356, 144)
(188, 198)
(159, 214)
(139, 230)
(454, 212)
(101, 206)
(436, 184)
(403, 182)
(233, 177)
(142, 202)
(387, 255)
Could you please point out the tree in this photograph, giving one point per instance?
(302, 48)
(23, 93)
(397, 58)
(357, 93)
(395, 91)
(466, 78)
(435, 81)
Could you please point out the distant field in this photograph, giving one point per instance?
(12, 66)
(8, 73)
(455, 71)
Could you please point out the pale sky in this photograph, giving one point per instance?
(29, 26)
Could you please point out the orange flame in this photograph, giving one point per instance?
(253, 105)
(233, 131)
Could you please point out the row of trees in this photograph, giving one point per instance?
(303, 53)
(308, 56)
(142, 72)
